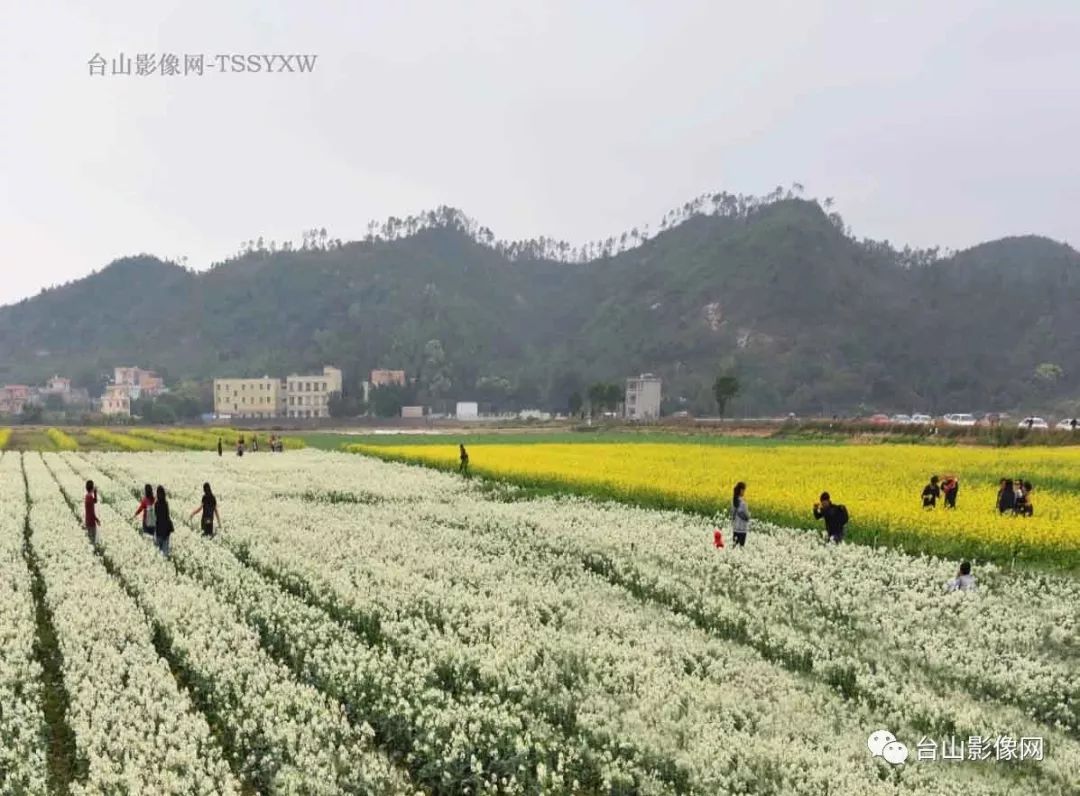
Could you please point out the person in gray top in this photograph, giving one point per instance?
(964, 581)
(740, 514)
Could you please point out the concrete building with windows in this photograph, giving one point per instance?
(643, 397)
(140, 383)
(249, 398)
(57, 385)
(116, 400)
(13, 397)
(309, 396)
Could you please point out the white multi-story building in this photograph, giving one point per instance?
(249, 398)
(643, 397)
(309, 396)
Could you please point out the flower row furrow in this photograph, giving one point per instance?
(22, 722)
(134, 730)
(288, 737)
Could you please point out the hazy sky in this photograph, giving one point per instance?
(930, 123)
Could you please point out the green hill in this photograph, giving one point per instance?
(811, 319)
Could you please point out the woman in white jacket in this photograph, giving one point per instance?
(740, 515)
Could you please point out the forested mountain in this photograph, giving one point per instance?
(810, 319)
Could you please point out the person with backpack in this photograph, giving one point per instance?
(209, 510)
(835, 516)
(930, 494)
(164, 529)
(950, 486)
(740, 515)
(146, 508)
(90, 512)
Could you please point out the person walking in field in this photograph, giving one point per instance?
(254, 443)
(835, 516)
(219, 447)
(90, 512)
(240, 446)
(146, 509)
(930, 494)
(964, 580)
(950, 486)
(740, 515)
(163, 532)
(463, 457)
(209, 511)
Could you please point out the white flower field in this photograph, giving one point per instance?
(360, 627)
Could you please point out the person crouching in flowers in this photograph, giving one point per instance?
(740, 515)
(964, 580)
(164, 529)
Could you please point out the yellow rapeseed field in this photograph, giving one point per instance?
(880, 485)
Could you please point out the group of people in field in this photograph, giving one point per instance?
(941, 487)
(835, 516)
(1014, 497)
(157, 522)
(277, 445)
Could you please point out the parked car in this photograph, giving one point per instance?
(922, 420)
(1033, 422)
(961, 419)
(900, 420)
(880, 420)
(1069, 424)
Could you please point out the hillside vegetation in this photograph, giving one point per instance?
(811, 319)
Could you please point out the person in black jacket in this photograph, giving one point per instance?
(931, 492)
(209, 510)
(164, 528)
(1006, 499)
(835, 516)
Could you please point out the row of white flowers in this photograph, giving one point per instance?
(1027, 629)
(134, 730)
(22, 722)
(290, 738)
(457, 742)
(472, 585)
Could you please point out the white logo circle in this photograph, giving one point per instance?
(877, 740)
(895, 753)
